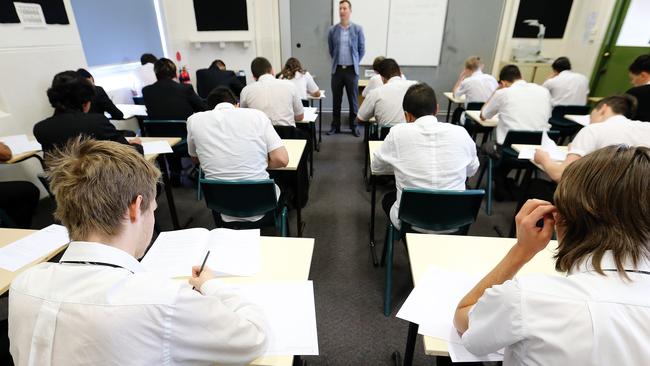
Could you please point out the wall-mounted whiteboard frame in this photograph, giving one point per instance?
(225, 36)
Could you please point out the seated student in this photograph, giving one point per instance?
(375, 81)
(598, 313)
(521, 106)
(144, 74)
(98, 305)
(423, 152)
(566, 87)
(385, 103)
(234, 143)
(101, 102)
(214, 76)
(70, 95)
(279, 99)
(18, 199)
(610, 125)
(640, 78)
(301, 78)
(472, 83)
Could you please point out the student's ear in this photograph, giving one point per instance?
(135, 209)
(86, 107)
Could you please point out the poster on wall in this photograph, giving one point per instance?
(53, 11)
(635, 31)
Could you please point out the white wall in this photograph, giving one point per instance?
(29, 58)
(582, 40)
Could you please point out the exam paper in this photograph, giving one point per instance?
(310, 114)
(584, 120)
(32, 247)
(432, 305)
(290, 314)
(156, 147)
(235, 252)
(19, 144)
(547, 145)
(175, 252)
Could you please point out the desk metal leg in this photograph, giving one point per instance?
(299, 171)
(373, 199)
(312, 131)
(168, 191)
(449, 110)
(411, 338)
(320, 122)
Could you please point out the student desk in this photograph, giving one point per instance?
(372, 147)
(450, 97)
(462, 254)
(320, 114)
(17, 158)
(476, 117)
(519, 147)
(595, 100)
(8, 236)
(296, 149)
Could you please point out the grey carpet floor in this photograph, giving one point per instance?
(352, 329)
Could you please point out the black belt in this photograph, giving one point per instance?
(344, 66)
(95, 264)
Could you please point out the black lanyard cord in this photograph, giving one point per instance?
(95, 264)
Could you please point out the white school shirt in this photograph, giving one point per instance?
(616, 130)
(373, 83)
(143, 76)
(385, 102)
(477, 88)
(582, 319)
(568, 88)
(277, 98)
(426, 154)
(232, 144)
(95, 314)
(304, 84)
(522, 106)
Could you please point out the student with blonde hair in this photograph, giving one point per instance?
(598, 313)
(473, 83)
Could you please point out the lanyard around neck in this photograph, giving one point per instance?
(95, 264)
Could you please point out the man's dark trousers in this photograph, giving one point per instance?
(345, 77)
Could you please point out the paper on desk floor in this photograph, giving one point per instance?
(290, 315)
(32, 247)
(156, 147)
(432, 305)
(19, 144)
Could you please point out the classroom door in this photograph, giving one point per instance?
(310, 21)
(627, 37)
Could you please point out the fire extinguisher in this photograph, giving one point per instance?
(183, 75)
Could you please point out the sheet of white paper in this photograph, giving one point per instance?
(156, 147)
(527, 154)
(549, 146)
(19, 144)
(310, 114)
(459, 353)
(32, 247)
(132, 109)
(579, 119)
(290, 314)
(175, 252)
(235, 252)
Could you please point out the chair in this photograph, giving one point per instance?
(474, 128)
(244, 199)
(138, 100)
(566, 128)
(433, 210)
(510, 157)
(6, 221)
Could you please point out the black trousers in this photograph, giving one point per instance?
(348, 79)
(387, 202)
(18, 200)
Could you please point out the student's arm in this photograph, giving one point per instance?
(530, 240)
(243, 103)
(191, 147)
(298, 109)
(367, 108)
(330, 42)
(362, 44)
(463, 75)
(198, 104)
(5, 152)
(107, 104)
(472, 168)
(553, 168)
(384, 158)
(278, 158)
(277, 153)
(312, 88)
(492, 106)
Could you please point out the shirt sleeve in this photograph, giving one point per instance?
(584, 142)
(491, 108)
(373, 84)
(362, 43)
(243, 103)
(496, 320)
(191, 147)
(216, 326)
(108, 105)
(367, 109)
(271, 137)
(462, 89)
(311, 84)
(383, 158)
(473, 166)
(298, 109)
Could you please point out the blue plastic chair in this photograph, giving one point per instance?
(244, 199)
(433, 210)
(566, 128)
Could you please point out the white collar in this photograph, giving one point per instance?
(394, 78)
(223, 105)
(426, 120)
(616, 119)
(82, 251)
(608, 263)
(520, 82)
(477, 73)
(266, 77)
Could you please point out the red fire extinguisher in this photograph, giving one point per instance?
(183, 75)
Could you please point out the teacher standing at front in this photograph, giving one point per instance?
(347, 45)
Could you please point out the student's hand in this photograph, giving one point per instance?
(198, 280)
(135, 141)
(463, 74)
(542, 156)
(531, 238)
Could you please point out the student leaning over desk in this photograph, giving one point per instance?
(598, 314)
(98, 305)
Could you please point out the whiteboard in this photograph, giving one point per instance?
(635, 31)
(410, 31)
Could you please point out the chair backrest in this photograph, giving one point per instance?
(239, 198)
(383, 132)
(560, 110)
(305, 102)
(527, 137)
(165, 128)
(474, 106)
(286, 132)
(439, 210)
(138, 100)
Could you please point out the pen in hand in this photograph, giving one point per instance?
(202, 266)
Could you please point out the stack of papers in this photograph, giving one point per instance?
(432, 305)
(32, 247)
(549, 146)
(290, 314)
(19, 144)
(156, 147)
(232, 252)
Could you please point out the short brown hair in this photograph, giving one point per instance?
(603, 201)
(346, 1)
(94, 182)
(625, 104)
(164, 69)
(473, 63)
(377, 61)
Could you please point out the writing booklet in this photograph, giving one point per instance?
(232, 252)
(156, 147)
(32, 247)
(19, 144)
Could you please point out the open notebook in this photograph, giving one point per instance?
(232, 252)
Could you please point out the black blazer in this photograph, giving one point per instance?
(167, 99)
(210, 78)
(642, 94)
(102, 103)
(62, 126)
